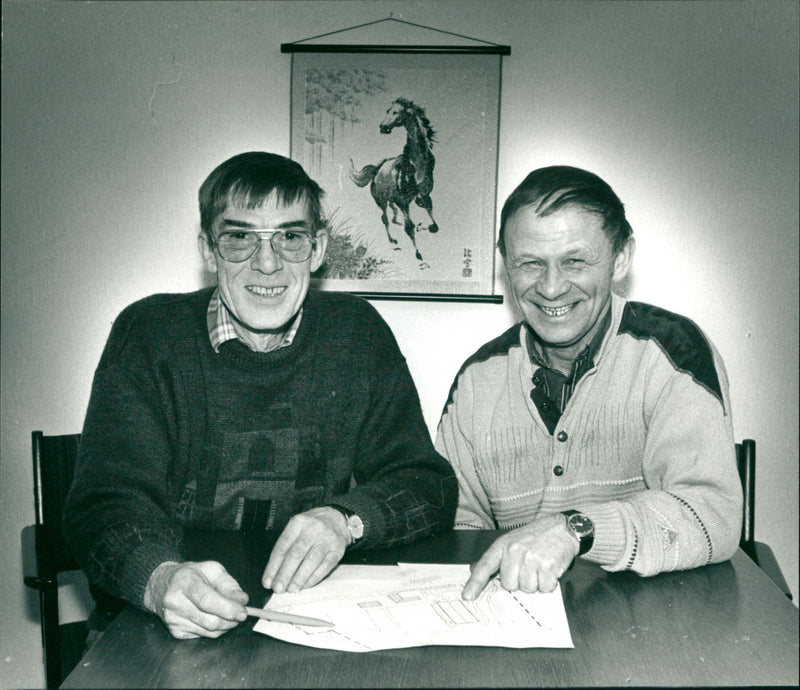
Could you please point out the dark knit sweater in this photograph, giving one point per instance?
(178, 435)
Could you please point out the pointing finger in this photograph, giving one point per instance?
(483, 571)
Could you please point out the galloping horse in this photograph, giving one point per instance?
(396, 182)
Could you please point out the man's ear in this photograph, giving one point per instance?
(318, 255)
(624, 260)
(209, 258)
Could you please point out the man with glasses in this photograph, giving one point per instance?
(255, 405)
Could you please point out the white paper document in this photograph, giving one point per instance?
(413, 605)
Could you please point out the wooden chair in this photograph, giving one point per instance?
(758, 551)
(54, 460)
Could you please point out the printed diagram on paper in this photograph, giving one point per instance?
(414, 605)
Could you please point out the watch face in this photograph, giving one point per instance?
(581, 524)
(355, 526)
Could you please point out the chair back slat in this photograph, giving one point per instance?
(746, 462)
(54, 459)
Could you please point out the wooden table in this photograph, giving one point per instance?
(724, 624)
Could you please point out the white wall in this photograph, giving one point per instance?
(689, 110)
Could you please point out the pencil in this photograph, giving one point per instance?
(279, 617)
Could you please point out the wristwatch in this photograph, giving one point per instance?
(354, 525)
(582, 527)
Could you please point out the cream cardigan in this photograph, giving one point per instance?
(644, 447)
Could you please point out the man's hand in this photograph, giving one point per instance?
(195, 599)
(311, 545)
(531, 558)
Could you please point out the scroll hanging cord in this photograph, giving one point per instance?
(392, 19)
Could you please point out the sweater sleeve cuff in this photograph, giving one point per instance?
(610, 536)
(139, 565)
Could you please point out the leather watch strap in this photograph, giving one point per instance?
(582, 527)
(354, 524)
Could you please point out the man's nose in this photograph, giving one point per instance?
(552, 284)
(265, 259)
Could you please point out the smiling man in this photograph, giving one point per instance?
(259, 404)
(597, 427)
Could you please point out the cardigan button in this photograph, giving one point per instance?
(558, 470)
(562, 436)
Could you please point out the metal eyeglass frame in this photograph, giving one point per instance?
(312, 243)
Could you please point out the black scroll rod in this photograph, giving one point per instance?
(379, 48)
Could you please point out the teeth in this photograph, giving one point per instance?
(265, 291)
(556, 311)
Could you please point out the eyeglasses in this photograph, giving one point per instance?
(236, 246)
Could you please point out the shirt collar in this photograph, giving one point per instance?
(221, 330)
(585, 359)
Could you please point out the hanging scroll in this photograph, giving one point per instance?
(403, 139)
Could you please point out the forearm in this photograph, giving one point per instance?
(453, 441)
(404, 488)
(116, 518)
(658, 531)
(690, 513)
(473, 511)
(405, 505)
(118, 555)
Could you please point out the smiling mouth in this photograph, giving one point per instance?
(556, 311)
(262, 291)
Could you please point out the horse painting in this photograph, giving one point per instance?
(396, 182)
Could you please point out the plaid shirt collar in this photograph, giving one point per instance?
(585, 359)
(221, 328)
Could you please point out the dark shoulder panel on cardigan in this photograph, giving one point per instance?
(680, 340)
(498, 347)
